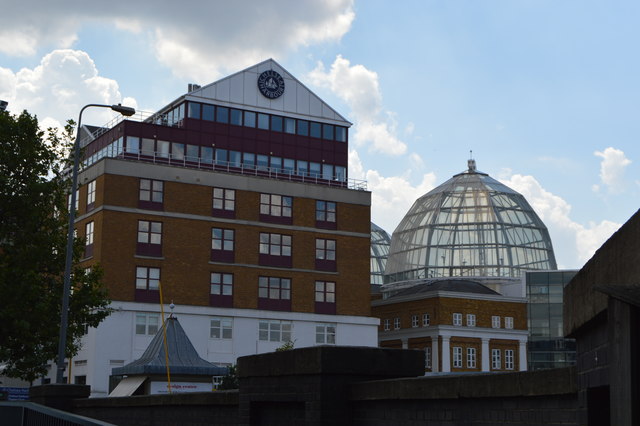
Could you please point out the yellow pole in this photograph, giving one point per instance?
(164, 332)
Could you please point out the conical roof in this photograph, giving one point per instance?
(470, 226)
(183, 358)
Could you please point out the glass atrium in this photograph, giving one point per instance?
(380, 242)
(470, 226)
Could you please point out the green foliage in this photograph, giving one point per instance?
(33, 233)
(230, 380)
(286, 346)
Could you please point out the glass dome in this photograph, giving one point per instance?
(470, 226)
(380, 242)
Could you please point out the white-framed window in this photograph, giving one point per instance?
(326, 333)
(221, 328)
(427, 357)
(147, 324)
(471, 357)
(508, 359)
(224, 199)
(396, 323)
(457, 357)
(508, 322)
(495, 321)
(471, 320)
(386, 324)
(147, 278)
(457, 319)
(426, 320)
(496, 362)
(274, 331)
(414, 321)
(89, 233)
(91, 192)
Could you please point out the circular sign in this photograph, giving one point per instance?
(271, 84)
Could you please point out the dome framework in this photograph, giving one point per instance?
(470, 226)
(380, 242)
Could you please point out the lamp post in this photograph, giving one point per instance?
(64, 315)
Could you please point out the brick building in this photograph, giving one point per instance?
(234, 202)
(462, 326)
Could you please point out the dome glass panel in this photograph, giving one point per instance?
(380, 242)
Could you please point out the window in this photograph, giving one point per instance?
(221, 290)
(341, 134)
(149, 238)
(508, 322)
(290, 125)
(471, 320)
(147, 324)
(303, 128)
(221, 328)
(275, 244)
(386, 325)
(77, 200)
(276, 208)
(274, 293)
(222, 244)
(495, 321)
(396, 323)
(427, 357)
(457, 319)
(326, 334)
(236, 117)
(414, 321)
(426, 320)
(224, 202)
(274, 331)
(91, 194)
(326, 214)
(315, 129)
(471, 357)
(208, 112)
(194, 110)
(457, 357)
(222, 114)
(496, 363)
(263, 121)
(325, 296)
(249, 119)
(327, 132)
(508, 359)
(276, 123)
(147, 278)
(325, 254)
(150, 195)
(88, 248)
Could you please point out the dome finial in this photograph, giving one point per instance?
(471, 163)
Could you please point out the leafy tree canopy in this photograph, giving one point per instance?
(33, 232)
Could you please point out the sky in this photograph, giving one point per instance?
(543, 94)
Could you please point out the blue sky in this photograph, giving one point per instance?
(545, 93)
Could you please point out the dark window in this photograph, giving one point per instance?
(263, 121)
(274, 293)
(249, 119)
(236, 117)
(194, 110)
(235, 158)
(221, 292)
(222, 157)
(222, 114)
(315, 130)
(222, 245)
(208, 112)
(149, 238)
(193, 153)
(327, 132)
(151, 194)
(276, 123)
(341, 134)
(290, 125)
(88, 248)
(303, 128)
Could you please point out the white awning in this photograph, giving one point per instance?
(128, 386)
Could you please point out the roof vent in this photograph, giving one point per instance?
(472, 165)
(193, 86)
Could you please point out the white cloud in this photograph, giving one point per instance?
(359, 88)
(391, 197)
(57, 88)
(612, 169)
(573, 243)
(197, 40)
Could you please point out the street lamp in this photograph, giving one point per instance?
(64, 316)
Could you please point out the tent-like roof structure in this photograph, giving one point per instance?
(183, 358)
(470, 226)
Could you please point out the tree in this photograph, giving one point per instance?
(33, 232)
(230, 380)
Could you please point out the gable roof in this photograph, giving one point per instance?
(241, 89)
(183, 358)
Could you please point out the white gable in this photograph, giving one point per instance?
(241, 90)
